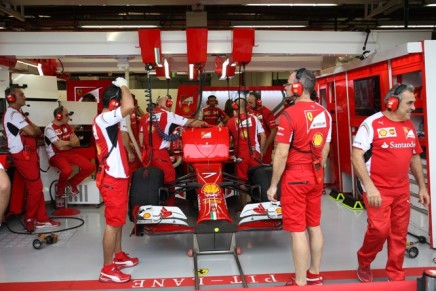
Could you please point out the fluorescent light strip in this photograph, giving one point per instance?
(167, 69)
(224, 69)
(271, 26)
(117, 26)
(191, 71)
(41, 73)
(293, 4)
(431, 5)
(409, 26)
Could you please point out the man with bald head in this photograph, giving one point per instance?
(156, 154)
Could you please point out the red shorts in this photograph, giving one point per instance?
(114, 194)
(300, 200)
(241, 168)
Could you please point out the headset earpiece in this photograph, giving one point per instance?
(169, 103)
(59, 116)
(59, 113)
(114, 102)
(235, 106)
(394, 100)
(11, 98)
(297, 88)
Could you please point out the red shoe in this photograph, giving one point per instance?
(74, 191)
(122, 260)
(49, 223)
(364, 274)
(29, 224)
(313, 279)
(111, 273)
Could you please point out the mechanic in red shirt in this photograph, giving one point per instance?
(59, 139)
(5, 191)
(156, 154)
(21, 136)
(268, 122)
(386, 146)
(112, 177)
(248, 140)
(303, 142)
(212, 114)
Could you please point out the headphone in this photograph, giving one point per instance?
(10, 97)
(297, 87)
(114, 102)
(258, 98)
(394, 100)
(168, 103)
(235, 104)
(59, 113)
(212, 96)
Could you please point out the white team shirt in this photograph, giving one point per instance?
(13, 122)
(103, 129)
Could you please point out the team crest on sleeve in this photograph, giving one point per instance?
(386, 132)
(409, 132)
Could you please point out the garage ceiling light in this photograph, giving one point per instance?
(293, 4)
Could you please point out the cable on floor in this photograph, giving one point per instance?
(82, 222)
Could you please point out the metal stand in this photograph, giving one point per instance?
(231, 249)
(64, 210)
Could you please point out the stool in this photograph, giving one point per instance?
(62, 208)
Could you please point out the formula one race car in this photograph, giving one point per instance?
(205, 152)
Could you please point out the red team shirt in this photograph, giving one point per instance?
(307, 133)
(392, 146)
(54, 133)
(213, 115)
(251, 127)
(106, 128)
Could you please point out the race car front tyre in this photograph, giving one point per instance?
(261, 176)
(144, 188)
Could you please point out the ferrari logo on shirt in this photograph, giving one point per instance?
(309, 116)
(387, 132)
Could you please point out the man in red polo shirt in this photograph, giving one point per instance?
(212, 114)
(386, 146)
(303, 140)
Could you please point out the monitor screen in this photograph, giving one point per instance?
(367, 97)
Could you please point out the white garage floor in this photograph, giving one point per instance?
(266, 258)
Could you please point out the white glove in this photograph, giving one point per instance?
(120, 82)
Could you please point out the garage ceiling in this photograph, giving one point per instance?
(173, 15)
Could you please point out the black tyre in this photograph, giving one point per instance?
(262, 176)
(144, 188)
